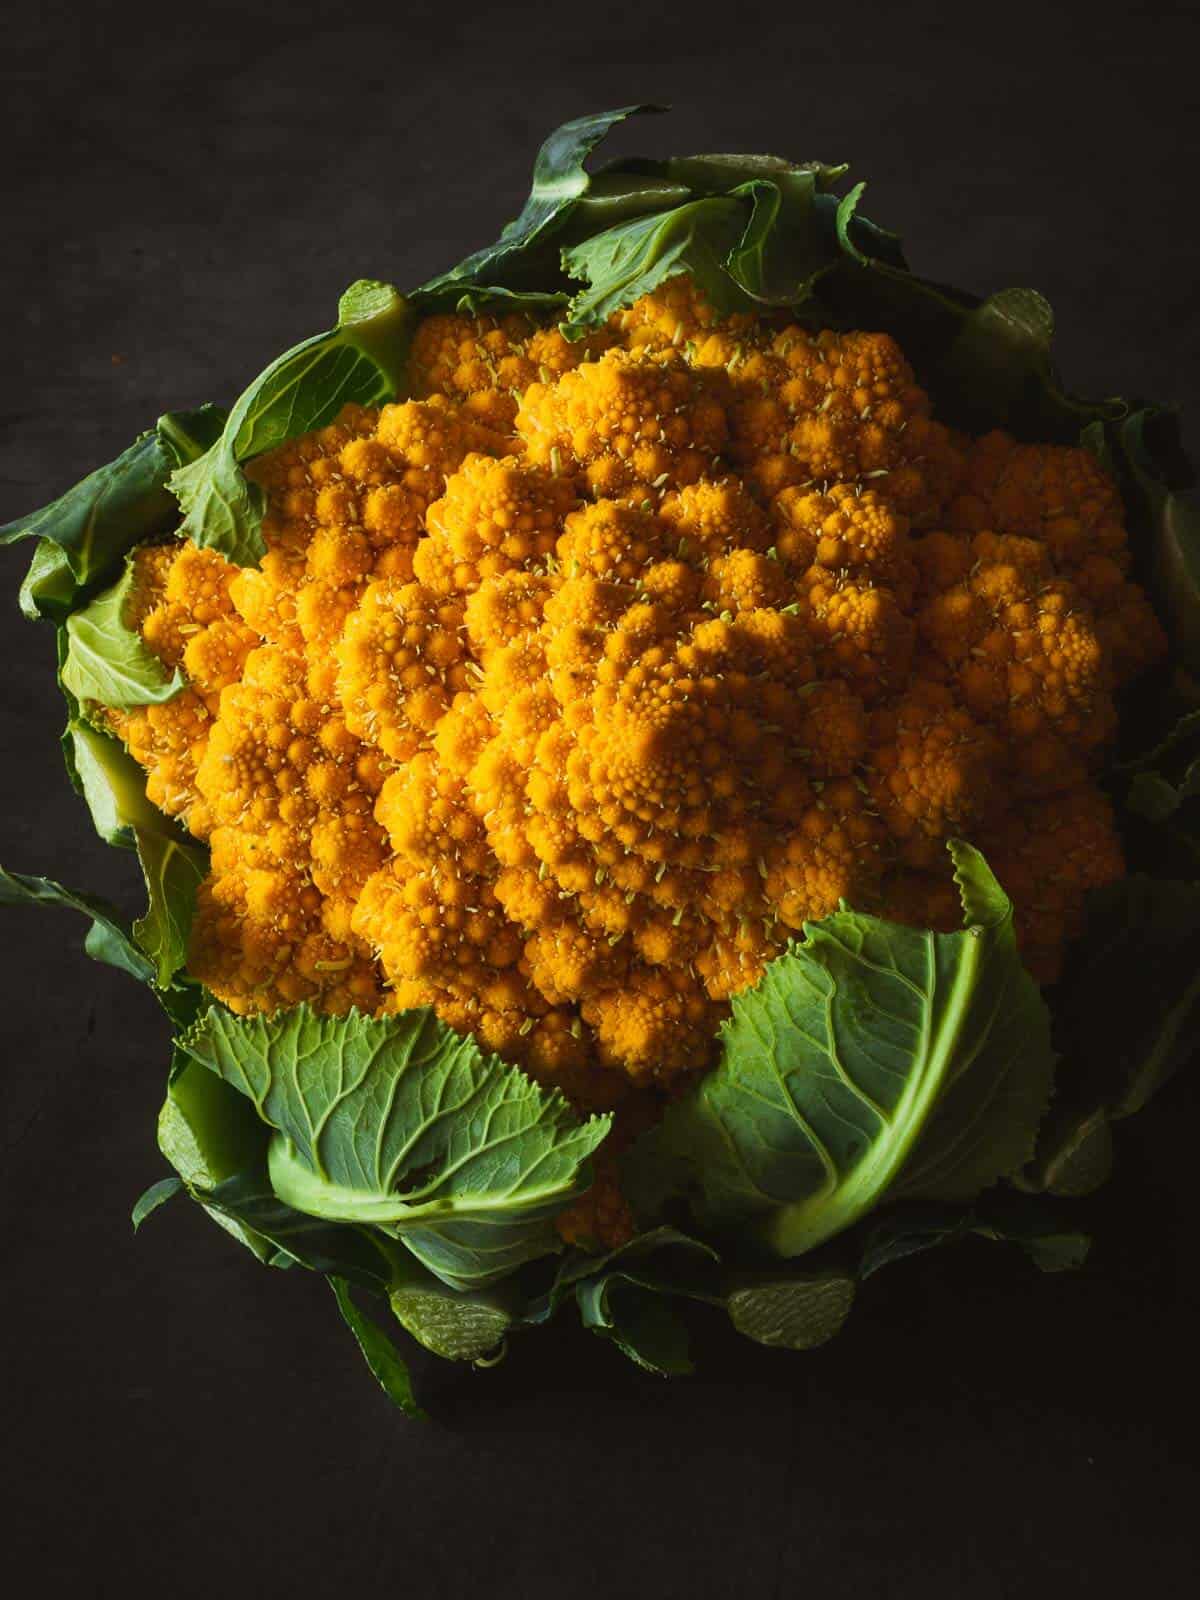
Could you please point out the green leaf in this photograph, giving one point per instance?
(638, 1320)
(796, 1312)
(106, 659)
(206, 1130)
(633, 258)
(173, 871)
(623, 1295)
(246, 1204)
(156, 1195)
(1004, 1216)
(379, 1353)
(1158, 789)
(784, 250)
(1042, 1231)
(1064, 1251)
(208, 1134)
(456, 1326)
(49, 587)
(83, 535)
(360, 361)
(112, 784)
(909, 1230)
(1002, 360)
(109, 939)
(1152, 796)
(871, 1059)
(525, 256)
(681, 1264)
(173, 865)
(1141, 944)
(1074, 1154)
(401, 1124)
(722, 173)
(1149, 459)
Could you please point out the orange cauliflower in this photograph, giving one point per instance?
(568, 691)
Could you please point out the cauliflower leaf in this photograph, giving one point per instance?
(82, 536)
(173, 865)
(401, 1124)
(360, 361)
(154, 948)
(106, 659)
(872, 1059)
(1144, 450)
(109, 938)
(1142, 941)
(378, 1352)
(561, 188)
(633, 258)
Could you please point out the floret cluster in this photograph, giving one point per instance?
(571, 688)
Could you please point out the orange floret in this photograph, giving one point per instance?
(658, 1024)
(504, 609)
(1057, 494)
(260, 749)
(675, 315)
(860, 631)
(169, 741)
(1047, 857)
(932, 771)
(714, 516)
(833, 730)
(848, 529)
(924, 899)
(618, 422)
(400, 663)
(495, 516)
(827, 408)
(600, 1219)
(459, 355)
(440, 927)
(257, 944)
(1028, 658)
(485, 362)
(831, 854)
(746, 580)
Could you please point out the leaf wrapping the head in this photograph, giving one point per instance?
(401, 1124)
(360, 361)
(871, 1058)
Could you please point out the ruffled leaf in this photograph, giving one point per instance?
(1142, 942)
(360, 361)
(872, 1058)
(83, 535)
(106, 659)
(173, 865)
(526, 256)
(109, 940)
(379, 1352)
(401, 1124)
(634, 258)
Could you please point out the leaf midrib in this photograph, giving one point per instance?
(804, 1224)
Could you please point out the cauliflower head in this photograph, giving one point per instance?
(572, 687)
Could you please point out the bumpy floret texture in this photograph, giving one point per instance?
(570, 690)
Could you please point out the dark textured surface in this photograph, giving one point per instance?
(186, 193)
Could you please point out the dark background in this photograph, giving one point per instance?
(186, 192)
